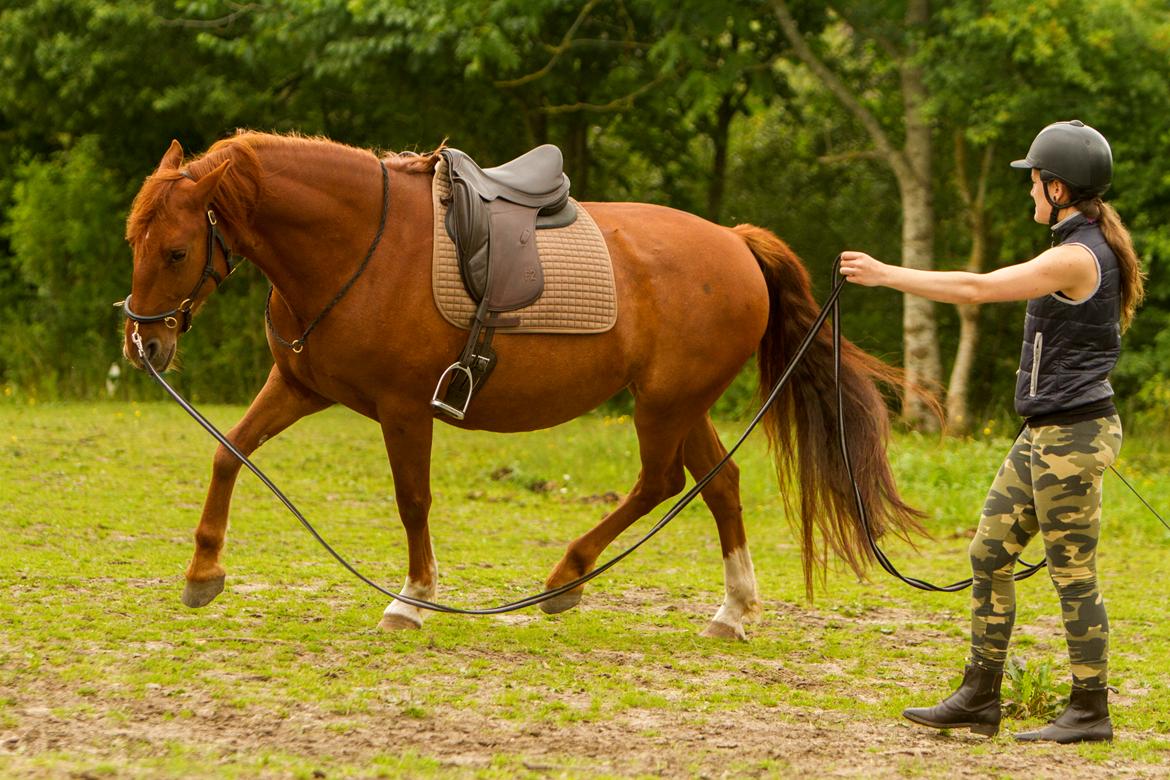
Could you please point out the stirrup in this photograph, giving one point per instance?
(445, 407)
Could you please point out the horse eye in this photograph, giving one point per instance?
(178, 255)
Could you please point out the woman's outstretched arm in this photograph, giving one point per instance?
(1070, 269)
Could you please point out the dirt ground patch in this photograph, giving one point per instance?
(466, 740)
(752, 741)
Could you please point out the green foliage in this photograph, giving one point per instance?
(1031, 691)
(692, 103)
(65, 231)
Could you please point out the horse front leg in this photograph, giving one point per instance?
(278, 405)
(741, 602)
(408, 446)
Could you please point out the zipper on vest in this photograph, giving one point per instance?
(1037, 349)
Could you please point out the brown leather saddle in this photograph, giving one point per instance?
(492, 218)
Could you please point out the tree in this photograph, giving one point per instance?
(1001, 73)
(988, 76)
(698, 104)
(891, 39)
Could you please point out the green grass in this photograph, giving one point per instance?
(104, 673)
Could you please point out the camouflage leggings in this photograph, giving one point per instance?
(1049, 483)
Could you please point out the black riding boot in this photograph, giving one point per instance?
(975, 705)
(1085, 719)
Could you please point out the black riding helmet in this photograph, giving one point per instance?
(1074, 153)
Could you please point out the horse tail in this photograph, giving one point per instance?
(802, 424)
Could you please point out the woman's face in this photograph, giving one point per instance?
(1043, 207)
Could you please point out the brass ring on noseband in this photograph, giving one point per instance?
(298, 346)
(172, 322)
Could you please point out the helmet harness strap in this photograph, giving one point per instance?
(1054, 215)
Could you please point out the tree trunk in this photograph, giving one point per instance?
(720, 137)
(577, 155)
(958, 390)
(919, 330)
(919, 327)
(911, 165)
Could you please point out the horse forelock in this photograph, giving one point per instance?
(150, 201)
(235, 197)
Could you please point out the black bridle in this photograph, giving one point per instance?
(172, 318)
(214, 237)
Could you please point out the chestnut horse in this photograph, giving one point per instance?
(695, 300)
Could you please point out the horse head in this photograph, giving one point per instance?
(173, 232)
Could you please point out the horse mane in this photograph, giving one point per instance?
(242, 185)
(414, 162)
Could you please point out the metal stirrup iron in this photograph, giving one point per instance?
(444, 407)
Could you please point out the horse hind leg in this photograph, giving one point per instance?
(741, 602)
(277, 406)
(660, 447)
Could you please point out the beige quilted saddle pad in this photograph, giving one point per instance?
(579, 295)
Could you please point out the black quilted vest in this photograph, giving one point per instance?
(1070, 348)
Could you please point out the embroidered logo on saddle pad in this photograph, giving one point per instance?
(579, 294)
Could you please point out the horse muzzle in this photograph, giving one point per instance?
(140, 348)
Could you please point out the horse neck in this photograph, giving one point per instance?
(313, 224)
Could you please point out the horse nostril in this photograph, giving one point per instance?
(152, 348)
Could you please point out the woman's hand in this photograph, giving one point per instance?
(860, 268)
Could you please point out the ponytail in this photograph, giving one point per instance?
(1118, 238)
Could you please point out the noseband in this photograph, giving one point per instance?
(172, 318)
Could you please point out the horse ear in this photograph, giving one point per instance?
(172, 158)
(207, 185)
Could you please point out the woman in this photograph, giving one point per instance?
(1081, 293)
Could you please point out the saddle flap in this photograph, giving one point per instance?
(515, 278)
(468, 224)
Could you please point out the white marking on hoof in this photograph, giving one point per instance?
(742, 600)
(562, 602)
(401, 615)
(200, 594)
(390, 622)
(718, 630)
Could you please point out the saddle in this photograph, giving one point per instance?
(492, 218)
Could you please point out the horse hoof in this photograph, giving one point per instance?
(562, 602)
(718, 630)
(200, 594)
(394, 622)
